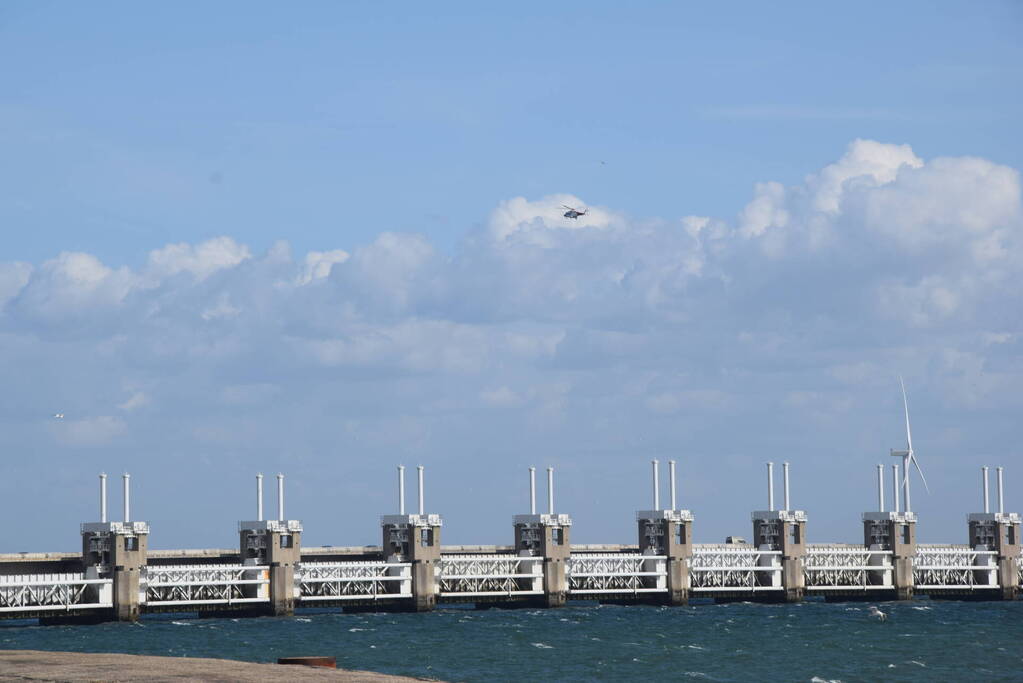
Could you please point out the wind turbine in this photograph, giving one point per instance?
(908, 455)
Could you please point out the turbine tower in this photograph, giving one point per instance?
(908, 456)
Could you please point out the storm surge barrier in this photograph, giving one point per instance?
(116, 576)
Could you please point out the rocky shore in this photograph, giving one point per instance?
(35, 665)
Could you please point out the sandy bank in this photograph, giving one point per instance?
(35, 665)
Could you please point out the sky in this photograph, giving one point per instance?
(328, 239)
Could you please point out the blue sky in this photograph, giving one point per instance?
(325, 240)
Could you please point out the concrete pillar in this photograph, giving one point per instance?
(547, 536)
(275, 547)
(999, 532)
(785, 531)
(117, 550)
(415, 539)
(669, 533)
(894, 532)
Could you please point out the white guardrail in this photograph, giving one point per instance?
(625, 573)
(334, 581)
(836, 567)
(729, 568)
(204, 584)
(482, 576)
(954, 567)
(54, 592)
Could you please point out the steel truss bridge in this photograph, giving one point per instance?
(721, 571)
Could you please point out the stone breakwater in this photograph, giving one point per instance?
(35, 665)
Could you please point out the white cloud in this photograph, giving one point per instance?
(221, 309)
(866, 163)
(201, 260)
(13, 278)
(530, 220)
(318, 264)
(72, 286)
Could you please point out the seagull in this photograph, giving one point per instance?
(58, 416)
(875, 612)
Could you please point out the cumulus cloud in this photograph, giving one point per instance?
(201, 260)
(318, 264)
(71, 287)
(587, 340)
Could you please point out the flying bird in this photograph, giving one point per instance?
(58, 416)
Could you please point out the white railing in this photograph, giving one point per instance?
(718, 568)
(204, 584)
(954, 567)
(632, 573)
(489, 575)
(333, 581)
(831, 567)
(53, 592)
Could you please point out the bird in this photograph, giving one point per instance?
(875, 612)
(58, 416)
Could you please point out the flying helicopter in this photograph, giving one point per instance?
(573, 213)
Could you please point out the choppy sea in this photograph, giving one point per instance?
(812, 641)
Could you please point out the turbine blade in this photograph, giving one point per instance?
(905, 405)
(912, 456)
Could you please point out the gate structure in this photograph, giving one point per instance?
(27, 595)
(733, 570)
(592, 575)
(353, 583)
(954, 570)
(484, 578)
(204, 586)
(838, 569)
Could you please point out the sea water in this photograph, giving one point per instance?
(921, 640)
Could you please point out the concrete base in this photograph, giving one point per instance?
(903, 578)
(872, 597)
(555, 583)
(93, 617)
(792, 579)
(282, 596)
(424, 588)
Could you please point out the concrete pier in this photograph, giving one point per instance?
(415, 539)
(784, 531)
(274, 544)
(117, 550)
(999, 532)
(894, 532)
(546, 537)
(669, 533)
(277, 545)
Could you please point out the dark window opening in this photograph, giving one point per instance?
(287, 541)
(557, 537)
(131, 543)
(426, 538)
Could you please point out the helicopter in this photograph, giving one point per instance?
(573, 213)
